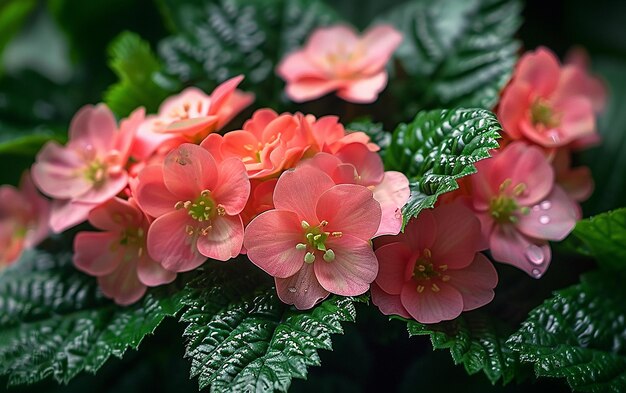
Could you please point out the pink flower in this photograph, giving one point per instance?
(261, 199)
(197, 204)
(336, 59)
(356, 164)
(550, 105)
(24, 215)
(316, 241)
(190, 116)
(576, 182)
(117, 256)
(433, 271)
(520, 207)
(90, 169)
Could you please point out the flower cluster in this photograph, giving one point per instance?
(307, 201)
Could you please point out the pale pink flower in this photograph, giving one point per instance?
(356, 164)
(550, 105)
(316, 241)
(190, 116)
(433, 271)
(335, 58)
(24, 215)
(521, 207)
(90, 169)
(197, 204)
(118, 255)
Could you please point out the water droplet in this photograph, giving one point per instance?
(292, 289)
(536, 273)
(534, 254)
(545, 205)
(398, 214)
(544, 219)
(554, 135)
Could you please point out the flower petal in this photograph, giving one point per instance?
(552, 219)
(429, 306)
(188, 170)
(352, 271)
(540, 69)
(151, 193)
(224, 240)
(299, 190)
(301, 289)
(59, 172)
(233, 187)
(310, 88)
(510, 246)
(271, 239)
(350, 209)
(379, 43)
(458, 235)
(97, 253)
(393, 260)
(367, 163)
(386, 303)
(365, 90)
(116, 214)
(152, 274)
(392, 194)
(122, 285)
(475, 282)
(66, 214)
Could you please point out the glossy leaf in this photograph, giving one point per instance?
(478, 342)
(457, 53)
(241, 337)
(437, 148)
(54, 322)
(579, 335)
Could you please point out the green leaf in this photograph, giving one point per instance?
(54, 321)
(457, 53)
(579, 335)
(477, 341)
(13, 14)
(26, 141)
(241, 337)
(604, 238)
(219, 39)
(136, 66)
(437, 148)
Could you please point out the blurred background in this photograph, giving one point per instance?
(54, 58)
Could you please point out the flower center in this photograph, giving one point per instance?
(315, 238)
(541, 113)
(424, 271)
(201, 209)
(96, 172)
(133, 241)
(503, 207)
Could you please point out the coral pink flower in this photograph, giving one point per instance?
(24, 215)
(261, 199)
(118, 255)
(576, 182)
(197, 204)
(330, 135)
(335, 58)
(433, 271)
(520, 207)
(90, 169)
(550, 105)
(355, 164)
(316, 241)
(190, 116)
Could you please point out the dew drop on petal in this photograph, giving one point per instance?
(544, 219)
(536, 273)
(545, 205)
(292, 289)
(534, 254)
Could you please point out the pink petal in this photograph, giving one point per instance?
(127, 134)
(298, 65)
(540, 69)
(552, 219)
(98, 253)
(458, 235)
(393, 260)
(392, 194)
(66, 214)
(514, 107)
(301, 289)
(350, 209)
(386, 303)
(122, 285)
(152, 274)
(259, 121)
(148, 139)
(429, 306)
(475, 282)
(308, 89)
(171, 245)
(271, 240)
(299, 190)
(224, 240)
(59, 172)
(510, 246)
(420, 232)
(352, 271)
(213, 144)
(578, 118)
(110, 188)
(116, 214)
(94, 127)
(379, 43)
(151, 194)
(367, 163)
(365, 90)
(325, 162)
(233, 187)
(326, 40)
(578, 183)
(575, 81)
(188, 170)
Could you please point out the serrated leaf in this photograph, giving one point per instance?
(579, 334)
(604, 238)
(54, 321)
(241, 337)
(219, 39)
(457, 53)
(477, 341)
(136, 66)
(437, 148)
